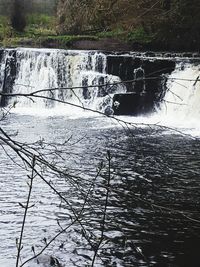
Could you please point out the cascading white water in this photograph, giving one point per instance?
(47, 69)
(36, 69)
(181, 102)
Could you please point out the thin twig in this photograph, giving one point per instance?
(26, 207)
(105, 210)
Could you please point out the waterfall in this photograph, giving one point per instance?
(181, 102)
(91, 74)
(38, 69)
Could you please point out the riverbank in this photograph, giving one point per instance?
(89, 42)
(40, 32)
(68, 42)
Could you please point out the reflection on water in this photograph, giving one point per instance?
(149, 171)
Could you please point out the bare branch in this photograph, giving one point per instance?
(26, 207)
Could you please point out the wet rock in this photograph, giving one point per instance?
(8, 77)
(196, 55)
(149, 54)
(168, 55)
(187, 54)
(128, 104)
(108, 111)
(47, 261)
(143, 77)
(54, 262)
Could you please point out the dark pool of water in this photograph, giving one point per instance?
(154, 193)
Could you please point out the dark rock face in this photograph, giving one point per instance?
(129, 104)
(9, 77)
(143, 77)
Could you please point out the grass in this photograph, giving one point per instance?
(40, 24)
(139, 35)
(40, 19)
(64, 41)
(116, 33)
(37, 25)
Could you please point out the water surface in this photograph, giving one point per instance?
(150, 171)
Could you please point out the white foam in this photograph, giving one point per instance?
(181, 105)
(57, 69)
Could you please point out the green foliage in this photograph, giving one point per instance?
(173, 24)
(6, 30)
(34, 30)
(41, 20)
(140, 35)
(76, 17)
(40, 24)
(17, 41)
(119, 33)
(3, 20)
(63, 41)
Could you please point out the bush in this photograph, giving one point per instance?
(5, 29)
(139, 35)
(114, 33)
(41, 20)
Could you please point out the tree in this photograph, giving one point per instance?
(18, 18)
(78, 16)
(173, 23)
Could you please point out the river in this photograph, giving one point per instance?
(152, 213)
